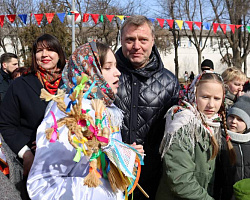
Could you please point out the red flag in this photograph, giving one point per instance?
(170, 22)
(110, 17)
(215, 27)
(190, 24)
(224, 28)
(85, 17)
(198, 24)
(49, 17)
(238, 26)
(232, 26)
(1, 20)
(76, 15)
(11, 18)
(161, 21)
(39, 18)
(95, 17)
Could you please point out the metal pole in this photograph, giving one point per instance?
(73, 25)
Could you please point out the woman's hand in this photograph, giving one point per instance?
(34, 147)
(139, 148)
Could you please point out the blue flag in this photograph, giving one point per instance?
(152, 20)
(61, 16)
(23, 17)
(207, 25)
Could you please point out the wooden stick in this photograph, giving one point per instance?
(143, 192)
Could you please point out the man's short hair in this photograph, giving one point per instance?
(207, 65)
(6, 57)
(138, 20)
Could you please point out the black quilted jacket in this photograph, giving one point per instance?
(145, 95)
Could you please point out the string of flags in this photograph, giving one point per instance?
(100, 18)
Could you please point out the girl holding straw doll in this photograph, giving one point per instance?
(80, 153)
(191, 141)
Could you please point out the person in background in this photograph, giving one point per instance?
(191, 142)
(232, 164)
(234, 80)
(191, 77)
(18, 72)
(22, 109)
(186, 78)
(9, 63)
(146, 91)
(207, 65)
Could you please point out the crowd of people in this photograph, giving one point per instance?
(107, 125)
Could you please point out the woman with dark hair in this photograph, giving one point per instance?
(22, 110)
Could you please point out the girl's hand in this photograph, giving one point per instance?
(34, 147)
(139, 148)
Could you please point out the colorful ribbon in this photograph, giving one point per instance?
(89, 90)
(55, 132)
(81, 85)
(82, 141)
(69, 105)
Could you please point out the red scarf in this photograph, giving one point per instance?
(50, 79)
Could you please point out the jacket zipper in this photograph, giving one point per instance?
(242, 163)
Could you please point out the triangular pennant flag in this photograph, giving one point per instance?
(190, 24)
(11, 18)
(198, 24)
(215, 27)
(101, 18)
(76, 15)
(179, 23)
(238, 26)
(85, 17)
(161, 21)
(110, 17)
(23, 17)
(2, 20)
(224, 28)
(95, 17)
(170, 23)
(207, 25)
(120, 17)
(39, 18)
(248, 28)
(61, 16)
(49, 17)
(232, 26)
(152, 20)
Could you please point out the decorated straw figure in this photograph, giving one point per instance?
(79, 145)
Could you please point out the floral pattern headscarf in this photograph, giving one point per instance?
(85, 60)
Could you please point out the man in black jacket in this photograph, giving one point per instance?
(9, 63)
(146, 91)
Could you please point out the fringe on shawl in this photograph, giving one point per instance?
(188, 134)
(116, 115)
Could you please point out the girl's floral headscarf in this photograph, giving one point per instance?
(85, 60)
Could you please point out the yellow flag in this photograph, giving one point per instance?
(179, 23)
(120, 17)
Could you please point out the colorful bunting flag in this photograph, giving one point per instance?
(95, 17)
(170, 23)
(39, 18)
(248, 28)
(198, 24)
(161, 21)
(190, 24)
(120, 17)
(2, 20)
(76, 15)
(11, 18)
(152, 20)
(232, 26)
(215, 27)
(61, 16)
(23, 17)
(49, 17)
(85, 17)
(179, 23)
(224, 28)
(101, 18)
(110, 17)
(207, 25)
(238, 26)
